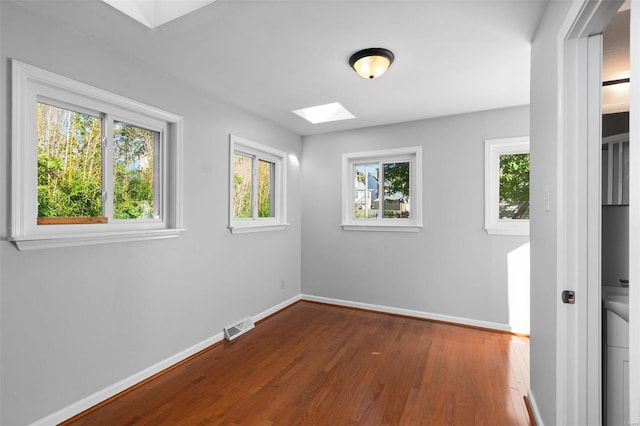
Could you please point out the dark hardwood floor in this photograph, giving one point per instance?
(314, 364)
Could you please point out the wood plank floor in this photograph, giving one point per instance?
(314, 364)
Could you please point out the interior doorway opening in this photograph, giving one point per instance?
(614, 243)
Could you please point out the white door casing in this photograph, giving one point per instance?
(591, 313)
(634, 217)
(578, 392)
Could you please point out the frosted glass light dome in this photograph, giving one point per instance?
(371, 63)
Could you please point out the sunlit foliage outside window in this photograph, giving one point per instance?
(514, 186)
(266, 180)
(243, 187)
(70, 166)
(132, 172)
(242, 184)
(69, 163)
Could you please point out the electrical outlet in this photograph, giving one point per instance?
(282, 285)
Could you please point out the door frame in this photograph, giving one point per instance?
(579, 360)
(634, 218)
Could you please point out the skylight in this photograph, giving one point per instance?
(324, 113)
(154, 13)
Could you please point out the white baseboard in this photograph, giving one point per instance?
(534, 408)
(106, 393)
(410, 313)
(277, 308)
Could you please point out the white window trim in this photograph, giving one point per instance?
(29, 83)
(414, 223)
(493, 149)
(277, 223)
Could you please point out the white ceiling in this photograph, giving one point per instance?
(274, 56)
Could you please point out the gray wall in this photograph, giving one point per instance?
(452, 266)
(76, 320)
(544, 232)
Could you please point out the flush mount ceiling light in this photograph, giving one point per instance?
(324, 113)
(371, 63)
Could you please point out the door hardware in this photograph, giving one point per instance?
(569, 297)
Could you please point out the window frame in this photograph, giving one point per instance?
(31, 85)
(494, 148)
(258, 152)
(413, 155)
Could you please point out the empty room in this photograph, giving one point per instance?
(309, 212)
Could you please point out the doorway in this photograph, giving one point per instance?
(580, 352)
(614, 243)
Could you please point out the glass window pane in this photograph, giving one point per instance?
(242, 186)
(132, 172)
(514, 186)
(266, 179)
(69, 163)
(396, 190)
(367, 201)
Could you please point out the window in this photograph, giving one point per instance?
(507, 186)
(90, 166)
(381, 190)
(257, 195)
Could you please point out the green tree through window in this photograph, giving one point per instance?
(70, 166)
(257, 197)
(132, 172)
(266, 172)
(242, 186)
(514, 186)
(396, 189)
(69, 163)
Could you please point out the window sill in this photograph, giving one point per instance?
(381, 228)
(245, 229)
(85, 239)
(521, 229)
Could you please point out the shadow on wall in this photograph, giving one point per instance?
(518, 289)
